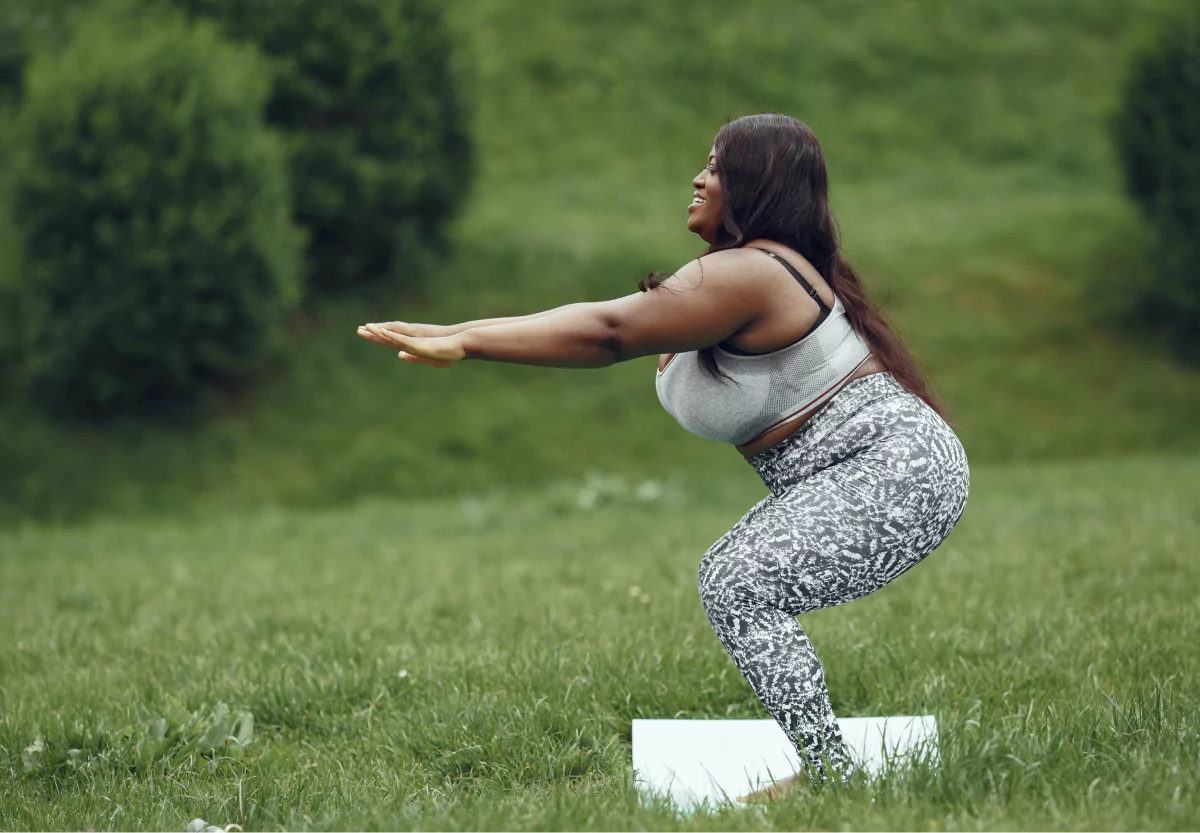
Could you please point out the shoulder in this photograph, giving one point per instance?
(740, 268)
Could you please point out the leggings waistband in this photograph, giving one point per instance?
(796, 452)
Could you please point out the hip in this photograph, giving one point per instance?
(874, 430)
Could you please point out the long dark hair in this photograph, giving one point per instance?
(774, 187)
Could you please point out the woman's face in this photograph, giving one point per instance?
(704, 213)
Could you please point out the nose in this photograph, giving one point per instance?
(698, 181)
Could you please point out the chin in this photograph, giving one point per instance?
(704, 234)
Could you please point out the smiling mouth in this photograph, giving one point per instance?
(698, 200)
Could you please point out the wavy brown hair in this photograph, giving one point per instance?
(774, 187)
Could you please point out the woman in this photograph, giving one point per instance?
(769, 342)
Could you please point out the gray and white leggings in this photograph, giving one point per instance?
(863, 491)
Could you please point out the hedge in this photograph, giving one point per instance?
(152, 208)
(375, 122)
(1157, 133)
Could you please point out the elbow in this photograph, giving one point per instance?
(610, 348)
(612, 345)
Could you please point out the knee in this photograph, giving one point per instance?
(709, 580)
(730, 581)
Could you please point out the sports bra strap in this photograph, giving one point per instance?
(808, 287)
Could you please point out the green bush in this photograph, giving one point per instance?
(28, 26)
(151, 202)
(9, 260)
(377, 130)
(1157, 132)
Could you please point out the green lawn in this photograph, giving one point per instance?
(975, 186)
(476, 663)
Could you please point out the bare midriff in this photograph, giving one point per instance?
(778, 435)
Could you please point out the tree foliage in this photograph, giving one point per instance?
(152, 207)
(1157, 132)
(375, 123)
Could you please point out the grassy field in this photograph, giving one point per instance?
(444, 596)
(476, 663)
(974, 181)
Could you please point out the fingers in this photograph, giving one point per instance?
(380, 333)
(381, 336)
(369, 335)
(398, 340)
(409, 357)
(366, 334)
(408, 346)
(395, 327)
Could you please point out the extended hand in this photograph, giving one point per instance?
(371, 331)
(436, 351)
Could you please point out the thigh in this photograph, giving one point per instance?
(909, 488)
(848, 529)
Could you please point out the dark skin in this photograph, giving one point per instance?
(742, 300)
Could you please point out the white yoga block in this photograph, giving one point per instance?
(718, 760)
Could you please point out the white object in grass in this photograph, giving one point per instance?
(201, 826)
(694, 761)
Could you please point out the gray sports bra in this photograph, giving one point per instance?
(767, 389)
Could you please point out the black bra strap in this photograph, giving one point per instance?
(812, 293)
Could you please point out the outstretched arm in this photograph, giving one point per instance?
(368, 331)
(697, 307)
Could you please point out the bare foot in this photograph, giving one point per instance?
(773, 791)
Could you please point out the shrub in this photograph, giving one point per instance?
(377, 130)
(9, 263)
(28, 26)
(1157, 132)
(25, 26)
(152, 207)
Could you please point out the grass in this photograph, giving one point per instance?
(974, 182)
(476, 663)
(420, 585)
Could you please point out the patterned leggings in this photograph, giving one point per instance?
(859, 494)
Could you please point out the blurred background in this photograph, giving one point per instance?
(203, 198)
